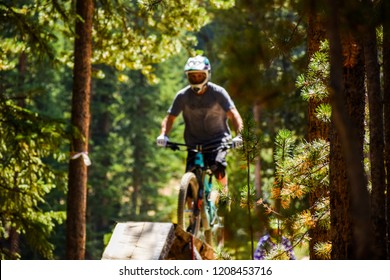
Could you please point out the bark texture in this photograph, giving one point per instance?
(77, 186)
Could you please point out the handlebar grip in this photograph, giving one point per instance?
(172, 146)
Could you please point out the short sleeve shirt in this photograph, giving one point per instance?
(204, 114)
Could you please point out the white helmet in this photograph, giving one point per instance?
(198, 64)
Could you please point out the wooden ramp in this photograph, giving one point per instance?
(155, 241)
(140, 241)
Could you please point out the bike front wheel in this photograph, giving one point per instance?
(188, 215)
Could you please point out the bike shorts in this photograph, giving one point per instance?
(216, 161)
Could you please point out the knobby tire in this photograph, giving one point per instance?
(188, 196)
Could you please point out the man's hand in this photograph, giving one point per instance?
(162, 140)
(237, 142)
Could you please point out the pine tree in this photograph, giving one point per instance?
(77, 186)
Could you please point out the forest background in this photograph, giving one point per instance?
(92, 80)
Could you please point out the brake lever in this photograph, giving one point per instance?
(173, 147)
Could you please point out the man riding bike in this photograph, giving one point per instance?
(206, 109)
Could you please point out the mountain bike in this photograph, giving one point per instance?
(197, 212)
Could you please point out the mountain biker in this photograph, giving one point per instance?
(206, 109)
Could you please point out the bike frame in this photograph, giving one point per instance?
(201, 172)
(203, 176)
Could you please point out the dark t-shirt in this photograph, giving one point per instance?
(204, 114)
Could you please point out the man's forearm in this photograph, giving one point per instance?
(236, 119)
(166, 124)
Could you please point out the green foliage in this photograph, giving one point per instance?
(323, 249)
(143, 33)
(324, 112)
(301, 168)
(259, 50)
(242, 193)
(29, 146)
(251, 137)
(314, 83)
(31, 27)
(284, 145)
(277, 253)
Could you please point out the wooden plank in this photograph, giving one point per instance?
(187, 247)
(140, 241)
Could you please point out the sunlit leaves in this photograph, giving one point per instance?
(314, 83)
(132, 35)
(9, 49)
(302, 168)
(284, 144)
(248, 197)
(146, 33)
(323, 250)
(303, 221)
(277, 253)
(33, 24)
(322, 212)
(222, 4)
(324, 112)
(29, 147)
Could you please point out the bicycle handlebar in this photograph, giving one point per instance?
(212, 146)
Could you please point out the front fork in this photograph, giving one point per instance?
(204, 206)
(207, 210)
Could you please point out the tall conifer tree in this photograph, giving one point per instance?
(77, 186)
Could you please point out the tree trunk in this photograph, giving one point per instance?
(77, 185)
(317, 128)
(355, 205)
(386, 101)
(343, 247)
(376, 134)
